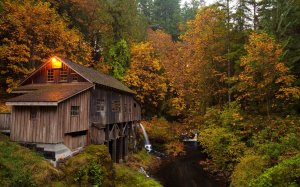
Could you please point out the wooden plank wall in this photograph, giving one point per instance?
(74, 123)
(131, 113)
(97, 135)
(5, 121)
(44, 129)
(74, 142)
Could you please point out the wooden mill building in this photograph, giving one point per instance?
(63, 106)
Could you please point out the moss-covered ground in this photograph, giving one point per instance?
(20, 166)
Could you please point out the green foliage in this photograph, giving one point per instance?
(249, 168)
(166, 15)
(119, 56)
(92, 173)
(126, 177)
(286, 173)
(222, 146)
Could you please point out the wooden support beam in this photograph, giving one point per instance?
(121, 156)
(126, 148)
(114, 150)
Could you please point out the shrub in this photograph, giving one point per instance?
(175, 148)
(249, 167)
(222, 146)
(286, 173)
(91, 167)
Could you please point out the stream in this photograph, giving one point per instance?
(185, 171)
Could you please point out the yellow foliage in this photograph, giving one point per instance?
(145, 76)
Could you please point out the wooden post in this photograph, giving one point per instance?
(126, 148)
(121, 150)
(114, 150)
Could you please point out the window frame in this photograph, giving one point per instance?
(75, 110)
(100, 105)
(63, 73)
(50, 75)
(116, 106)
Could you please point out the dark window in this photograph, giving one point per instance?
(50, 75)
(116, 106)
(63, 75)
(75, 110)
(134, 105)
(99, 105)
(74, 77)
(33, 113)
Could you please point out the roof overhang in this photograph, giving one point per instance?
(31, 103)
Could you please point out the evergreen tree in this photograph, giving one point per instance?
(189, 10)
(167, 16)
(146, 8)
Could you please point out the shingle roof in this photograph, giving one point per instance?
(50, 92)
(29, 88)
(96, 76)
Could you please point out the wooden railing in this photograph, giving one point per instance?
(5, 121)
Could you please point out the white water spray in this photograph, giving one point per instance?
(148, 146)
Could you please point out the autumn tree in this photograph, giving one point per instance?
(170, 56)
(30, 32)
(206, 65)
(265, 82)
(145, 77)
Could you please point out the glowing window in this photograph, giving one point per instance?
(56, 64)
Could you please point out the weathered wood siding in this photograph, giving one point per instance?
(129, 108)
(43, 129)
(97, 135)
(74, 142)
(41, 76)
(79, 122)
(5, 121)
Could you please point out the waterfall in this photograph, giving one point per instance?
(147, 142)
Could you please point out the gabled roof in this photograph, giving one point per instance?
(91, 75)
(48, 94)
(96, 76)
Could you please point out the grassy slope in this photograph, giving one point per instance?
(19, 165)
